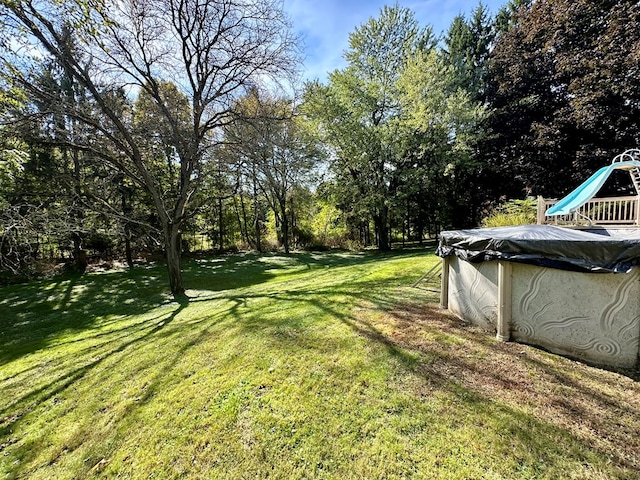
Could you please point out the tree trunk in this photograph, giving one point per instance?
(382, 232)
(292, 215)
(367, 234)
(172, 253)
(258, 228)
(80, 261)
(126, 211)
(256, 208)
(407, 224)
(419, 224)
(242, 220)
(79, 254)
(284, 226)
(127, 246)
(220, 225)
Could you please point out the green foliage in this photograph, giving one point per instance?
(328, 226)
(358, 114)
(158, 133)
(276, 156)
(12, 100)
(513, 212)
(562, 94)
(13, 151)
(188, 61)
(507, 16)
(441, 124)
(445, 115)
(468, 45)
(417, 135)
(400, 128)
(13, 157)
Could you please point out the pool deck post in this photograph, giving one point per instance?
(540, 210)
(444, 285)
(503, 333)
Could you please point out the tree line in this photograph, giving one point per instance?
(128, 126)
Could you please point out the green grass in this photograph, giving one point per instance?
(301, 366)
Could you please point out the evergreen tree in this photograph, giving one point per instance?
(468, 44)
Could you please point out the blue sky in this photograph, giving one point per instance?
(325, 24)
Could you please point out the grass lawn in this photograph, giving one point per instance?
(301, 366)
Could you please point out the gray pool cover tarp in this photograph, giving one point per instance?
(596, 250)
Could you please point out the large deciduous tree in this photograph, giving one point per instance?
(213, 51)
(401, 121)
(357, 112)
(564, 91)
(439, 125)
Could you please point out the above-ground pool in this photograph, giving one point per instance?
(573, 292)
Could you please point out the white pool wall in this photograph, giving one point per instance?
(594, 317)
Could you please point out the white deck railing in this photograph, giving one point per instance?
(600, 211)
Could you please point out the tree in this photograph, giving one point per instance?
(441, 122)
(277, 154)
(468, 44)
(13, 156)
(357, 113)
(563, 93)
(467, 48)
(507, 17)
(211, 50)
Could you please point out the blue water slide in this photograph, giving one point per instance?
(587, 190)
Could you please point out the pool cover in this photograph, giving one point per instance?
(594, 250)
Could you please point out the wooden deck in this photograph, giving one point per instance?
(597, 211)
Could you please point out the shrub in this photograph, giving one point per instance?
(513, 212)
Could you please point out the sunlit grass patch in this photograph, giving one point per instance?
(291, 366)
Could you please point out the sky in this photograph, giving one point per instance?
(324, 25)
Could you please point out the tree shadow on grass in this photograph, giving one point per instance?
(488, 384)
(530, 394)
(112, 351)
(217, 274)
(135, 334)
(34, 315)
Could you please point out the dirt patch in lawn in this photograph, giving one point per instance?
(599, 406)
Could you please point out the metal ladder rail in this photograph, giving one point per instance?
(635, 178)
(434, 272)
